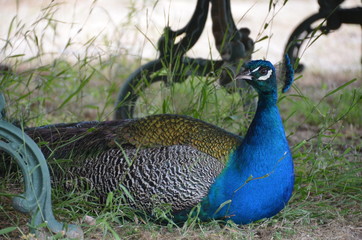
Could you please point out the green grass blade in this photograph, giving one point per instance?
(340, 88)
(81, 86)
(7, 230)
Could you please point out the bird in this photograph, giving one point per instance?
(181, 161)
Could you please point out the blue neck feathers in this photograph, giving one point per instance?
(258, 179)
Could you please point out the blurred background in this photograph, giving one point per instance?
(75, 28)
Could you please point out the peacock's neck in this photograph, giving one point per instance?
(265, 135)
(258, 179)
(266, 130)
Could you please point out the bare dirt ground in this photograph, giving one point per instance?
(120, 27)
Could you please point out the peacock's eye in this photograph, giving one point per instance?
(263, 71)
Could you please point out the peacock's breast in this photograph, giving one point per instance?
(249, 192)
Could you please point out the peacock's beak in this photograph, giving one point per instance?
(245, 75)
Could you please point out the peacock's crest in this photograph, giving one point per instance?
(289, 74)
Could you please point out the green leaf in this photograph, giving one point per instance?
(263, 38)
(299, 145)
(127, 193)
(109, 200)
(16, 55)
(8, 195)
(340, 88)
(7, 230)
(81, 86)
(222, 205)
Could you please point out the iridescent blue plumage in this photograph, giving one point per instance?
(182, 161)
(289, 74)
(258, 179)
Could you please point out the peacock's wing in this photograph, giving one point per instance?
(81, 139)
(169, 130)
(89, 138)
(159, 159)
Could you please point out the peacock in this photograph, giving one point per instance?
(182, 161)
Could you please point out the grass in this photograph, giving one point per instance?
(323, 125)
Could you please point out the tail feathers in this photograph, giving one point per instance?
(76, 139)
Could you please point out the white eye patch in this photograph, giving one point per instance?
(266, 76)
(256, 69)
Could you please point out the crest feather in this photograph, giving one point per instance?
(289, 74)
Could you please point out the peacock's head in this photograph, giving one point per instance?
(261, 75)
